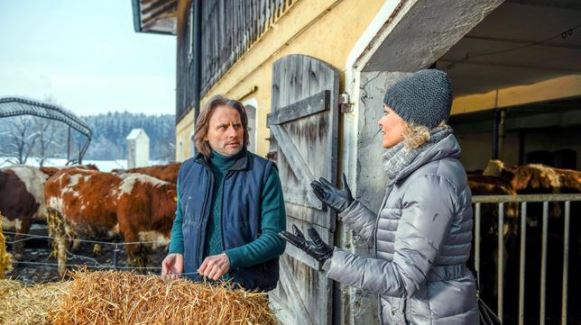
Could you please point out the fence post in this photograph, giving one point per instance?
(115, 255)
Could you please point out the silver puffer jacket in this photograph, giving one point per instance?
(422, 237)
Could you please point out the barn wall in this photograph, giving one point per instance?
(477, 149)
(554, 140)
(555, 88)
(325, 29)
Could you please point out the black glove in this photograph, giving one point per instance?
(314, 247)
(338, 199)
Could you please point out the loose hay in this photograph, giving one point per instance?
(30, 305)
(126, 298)
(5, 257)
(6, 286)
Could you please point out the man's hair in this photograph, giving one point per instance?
(203, 122)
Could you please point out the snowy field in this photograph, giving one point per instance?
(103, 165)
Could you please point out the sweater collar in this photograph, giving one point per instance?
(238, 161)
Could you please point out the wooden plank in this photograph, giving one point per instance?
(303, 108)
(297, 253)
(153, 7)
(300, 168)
(287, 280)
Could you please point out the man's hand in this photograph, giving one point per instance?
(172, 266)
(315, 247)
(338, 199)
(215, 266)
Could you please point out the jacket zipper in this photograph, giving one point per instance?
(385, 197)
(222, 209)
(205, 215)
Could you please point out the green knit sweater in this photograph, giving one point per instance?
(267, 246)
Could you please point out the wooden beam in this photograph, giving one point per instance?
(299, 167)
(156, 5)
(303, 108)
(157, 21)
(170, 6)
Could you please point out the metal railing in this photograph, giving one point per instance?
(524, 200)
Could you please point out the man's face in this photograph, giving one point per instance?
(225, 131)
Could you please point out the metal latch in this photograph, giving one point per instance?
(345, 103)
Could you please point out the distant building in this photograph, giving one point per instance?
(137, 148)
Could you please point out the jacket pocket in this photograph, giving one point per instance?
(452, 297)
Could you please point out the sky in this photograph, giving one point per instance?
(85, 56)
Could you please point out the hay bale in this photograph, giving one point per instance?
(7, 286)
(126, 298)
(5, 257)
(30, 305)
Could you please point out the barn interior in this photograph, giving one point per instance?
(517, 83)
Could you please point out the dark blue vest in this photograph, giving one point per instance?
(241, 214)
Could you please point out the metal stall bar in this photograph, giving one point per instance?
(477, 243)
(565, 262)
(544, 261)
(500, 254)
(521, 272)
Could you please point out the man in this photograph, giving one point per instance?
(230, 206)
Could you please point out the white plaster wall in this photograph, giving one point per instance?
(138, 152)
(142, 152)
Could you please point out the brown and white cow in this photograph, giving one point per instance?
(53, 170)
(99, 205)
(21, 201)
(542, 179)
(168, 173)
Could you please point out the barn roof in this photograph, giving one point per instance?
(154, 16)
(137, 133)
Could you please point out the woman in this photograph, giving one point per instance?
(423, 231)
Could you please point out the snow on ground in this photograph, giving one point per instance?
(103, 165)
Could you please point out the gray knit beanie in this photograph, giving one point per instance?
(423, 98)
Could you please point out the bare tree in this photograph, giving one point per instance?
(46, 131)
(21, 137)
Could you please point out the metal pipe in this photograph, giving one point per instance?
(500, 254)
(544, 261)
(523, 251)
(525, 198)
(565, 262)
(477, 243)
(495, 134)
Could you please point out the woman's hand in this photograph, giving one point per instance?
(338, 199)
(315, 247)
(172, 266)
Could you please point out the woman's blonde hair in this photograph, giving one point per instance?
(415, 135)
(203, 122)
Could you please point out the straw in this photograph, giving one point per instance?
(112, 297)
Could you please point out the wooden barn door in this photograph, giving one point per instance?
(303, 124)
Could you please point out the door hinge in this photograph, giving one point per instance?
(345, 103)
